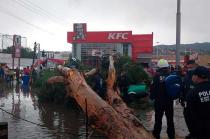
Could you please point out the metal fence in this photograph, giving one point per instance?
(6, 40)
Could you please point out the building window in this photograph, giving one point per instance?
(125, 49)
(91, 53)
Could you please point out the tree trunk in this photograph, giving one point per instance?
(114, 118)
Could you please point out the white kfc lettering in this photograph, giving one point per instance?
(111, 36)
(116, 36)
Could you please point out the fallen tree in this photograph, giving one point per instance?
(111, 117)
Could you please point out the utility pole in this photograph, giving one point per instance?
(178, 31)
(2, 42)
(38, 59)
(35, 45)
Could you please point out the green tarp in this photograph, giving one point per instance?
(137, 89)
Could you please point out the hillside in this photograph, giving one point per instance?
(200, 48)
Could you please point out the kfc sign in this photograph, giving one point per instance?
(117, 36)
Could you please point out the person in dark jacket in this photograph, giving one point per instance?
(123, 83)
(98, 84)
(198, 105)
(162, 102)
(187, 82)
(188, 85)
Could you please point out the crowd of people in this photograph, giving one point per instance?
(194, 97)
(20, 75)
(6, 73)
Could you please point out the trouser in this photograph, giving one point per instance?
(188, 121)
(196, 130)
(169, 112)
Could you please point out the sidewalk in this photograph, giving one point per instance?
(180, 125)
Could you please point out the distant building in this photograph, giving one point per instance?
(90, 46)
(62, 55)
(7, 59)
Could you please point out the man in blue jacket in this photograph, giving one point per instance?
(162, 102)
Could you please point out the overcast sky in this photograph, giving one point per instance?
(48, 21)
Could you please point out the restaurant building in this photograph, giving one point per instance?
(88, 46)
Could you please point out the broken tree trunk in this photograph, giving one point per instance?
(114, 118)
(118, 104)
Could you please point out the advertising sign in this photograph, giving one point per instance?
(100, 37)
(80, 31)
(16, 46)
(96, 52)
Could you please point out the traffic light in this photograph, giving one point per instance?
(35, 46)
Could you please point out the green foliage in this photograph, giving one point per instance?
(135, 71)
(8, 50)
(136, 74)
(25, 52)
(54, 93)
(44, 76)
(122, 63)
(80, 66)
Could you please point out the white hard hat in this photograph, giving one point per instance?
(74, 59)
(162, 63)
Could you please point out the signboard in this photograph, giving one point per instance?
(100, 37)
(16, 46)
(80, 31)
(96, 52)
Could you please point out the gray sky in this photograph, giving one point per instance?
(47, 21)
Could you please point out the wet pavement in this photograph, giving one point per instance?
(50, 121)
(148, 115)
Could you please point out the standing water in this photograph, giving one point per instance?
(28, 118)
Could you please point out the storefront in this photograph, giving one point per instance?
(88, 46)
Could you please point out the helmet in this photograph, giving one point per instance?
(74, 59)
(162, 63)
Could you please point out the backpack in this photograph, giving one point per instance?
(173, 84)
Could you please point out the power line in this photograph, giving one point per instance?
(35, 5)
(37, 10)
(26, 22)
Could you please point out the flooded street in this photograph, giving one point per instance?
(50, 121)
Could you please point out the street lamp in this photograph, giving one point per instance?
(157, 43)
(178, 32)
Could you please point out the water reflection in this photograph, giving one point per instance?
(25, 89)
(16, 102)
(58, 122)
(64, 122)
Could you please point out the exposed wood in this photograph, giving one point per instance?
(91, 72)
(55, 79)
(117, 103)
(111, 74)
(111, 117)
